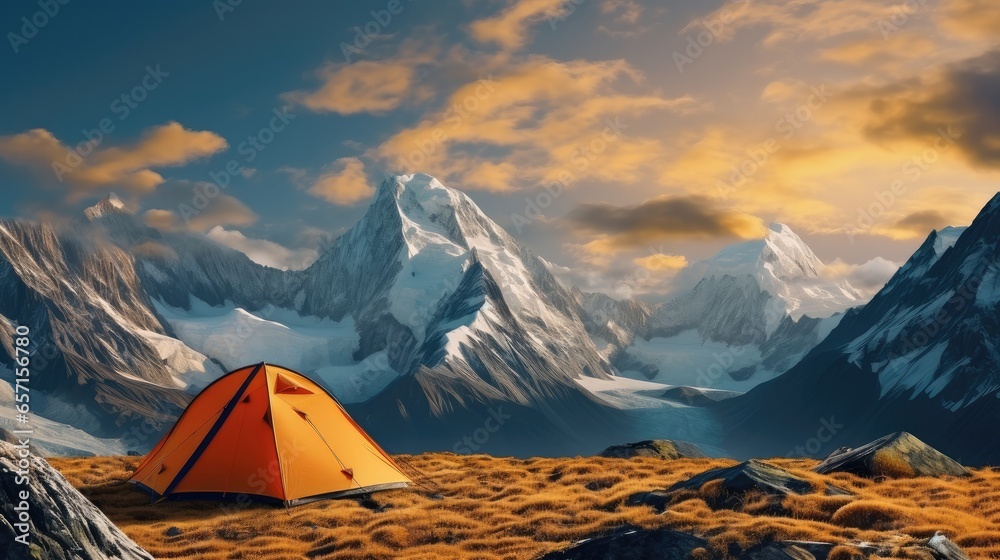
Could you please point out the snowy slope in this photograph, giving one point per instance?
(469, 318)
(236, 337)
(923, 355)
(785, 268)
(756, 309)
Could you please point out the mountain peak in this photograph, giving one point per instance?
(418, 185)
(783, 265)
(110, 204)
(781, 253)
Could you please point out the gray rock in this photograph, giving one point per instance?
(662, 448)
(633, 544)
(895, 455)
(944, 549)
(62, 524)
(752, 476)
(173, 532)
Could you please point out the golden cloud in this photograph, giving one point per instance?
(344, 184)
(812, 20)
(662, 263)
(552, 121)
(222, 209)
(661, 219)
(361, 87)
(979, 18)
(896, 45)
(509, 28)
(91, 168)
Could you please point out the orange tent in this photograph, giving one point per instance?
(266, 433)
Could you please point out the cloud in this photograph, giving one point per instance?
(345, 183)
(91, 168)
(915, 226)
(361, 87)
(551, 121)
(262, 251)
(509, 28)
(961, 99)
(664, 218)
(627, 14)
(806, 20)
(978, 18)
(180, 205)
(868, 277)
(662, 263)
(161, 219)
(867, 50)
(624, 11)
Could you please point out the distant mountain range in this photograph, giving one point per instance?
(757, 308)
(426, 316)
(440, 331)
(921, 356)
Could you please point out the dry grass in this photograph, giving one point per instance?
(498, 508)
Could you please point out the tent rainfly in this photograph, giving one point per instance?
(266, 433)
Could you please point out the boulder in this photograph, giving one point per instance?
(659, 448)
(733, 485)
(944, 549)
(634, 544)
(898, 455)
(61, 523)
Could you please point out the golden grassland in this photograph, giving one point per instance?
(500, 508)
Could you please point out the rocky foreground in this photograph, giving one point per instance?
(895, 498)
(43, 517)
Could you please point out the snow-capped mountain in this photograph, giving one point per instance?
(98, 365)
(757, 307)
(758, 283)
(426, 317)
(923, 355)
(468, 318)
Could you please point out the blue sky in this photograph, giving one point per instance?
(615, 101)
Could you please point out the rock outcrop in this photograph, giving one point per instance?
(53, 520)
(898, 455)
(693, 396)
(659, 448)
(730, 486)
(636, 544)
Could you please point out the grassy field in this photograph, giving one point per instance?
(499, 508)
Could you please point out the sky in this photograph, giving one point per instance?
(621, 140)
